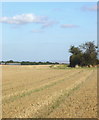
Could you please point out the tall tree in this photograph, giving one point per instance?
(74, 50)
(89, 53)
(76, 57)
(85, 54)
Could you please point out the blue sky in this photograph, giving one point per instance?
(45, 31)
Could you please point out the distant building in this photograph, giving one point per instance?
(13, 63)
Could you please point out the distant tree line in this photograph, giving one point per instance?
(37, 63)
(29, 63)
(84, 55)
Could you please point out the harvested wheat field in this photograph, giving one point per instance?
(40, 91)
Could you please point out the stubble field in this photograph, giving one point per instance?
(39, 91)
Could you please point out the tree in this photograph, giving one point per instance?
(75, 60)
(10, 61)
(74, 50)
(76, 57)
(89, 53)
(85, 54)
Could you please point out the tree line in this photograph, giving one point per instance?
(29, 63)
(84, 55)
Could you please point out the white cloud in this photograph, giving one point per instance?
(69, 26)
(49, 24)
(24, 19)
(28, 18)
(92, 8)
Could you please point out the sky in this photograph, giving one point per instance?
(44, 31)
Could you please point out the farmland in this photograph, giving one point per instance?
(41, 91)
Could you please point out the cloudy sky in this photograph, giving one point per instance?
(45, 31)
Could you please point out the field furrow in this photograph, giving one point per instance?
(40, 91)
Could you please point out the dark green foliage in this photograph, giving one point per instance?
(30, 63)
(10, 61)
(84, 55)
(75, 50)
(37, 63)
(75, 60)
